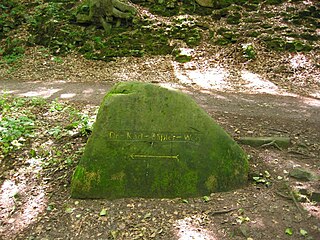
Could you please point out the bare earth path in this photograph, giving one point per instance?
(290, 108)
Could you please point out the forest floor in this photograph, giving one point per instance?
(44, 209)
(276, 94)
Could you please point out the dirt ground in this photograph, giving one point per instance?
(278, 94)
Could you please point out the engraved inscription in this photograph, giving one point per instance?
(123, 135)
(137, 156)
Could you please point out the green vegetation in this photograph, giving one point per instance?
(24, 120)
(16, 124)
(12, 14)
(79, 123)
(248, 51)
(12, 51)
(296, 34)
(53, 24)
(263, 178)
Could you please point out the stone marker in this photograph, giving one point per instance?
(149, 141)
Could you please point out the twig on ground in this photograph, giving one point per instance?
(278, 142)
(223, 211)
(299, 153)
(291, 197)
(228, 210)
(283, 195)
(272, 143)
(278, 130)
(295, 201)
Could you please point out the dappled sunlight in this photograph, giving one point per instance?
(67, 95)
(191, 228)
(312, 208)
(8, 190)
(222, 79)
(305, 73)
(22, 199)
(210, 78)
(316, 94)
(58, 90)
(38, 92)
(304, 190)
(43, 92)
(186, 51)
(258, 223)
(255, 83)
(311, 101)
(88, 91)
(299, 61)
(5, 91)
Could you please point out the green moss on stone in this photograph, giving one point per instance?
(211, 183)
(92, 178)
(149, 141)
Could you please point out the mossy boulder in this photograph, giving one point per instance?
(149, 141)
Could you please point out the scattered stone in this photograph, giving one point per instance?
(315, 196)
(149, 141)
(311, 195)
(303, 174)
(205, 3)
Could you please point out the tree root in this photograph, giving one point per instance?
(104, 11)
(223, 211)
(273, 143)
(278, 142)
(291, 197)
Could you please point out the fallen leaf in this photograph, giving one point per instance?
(206, 199)
(303, 232)
(103, 212)
(289, 231)
(114, 234)
(69, 210)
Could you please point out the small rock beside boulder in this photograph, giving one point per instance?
(303, 174)
(205, 3)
